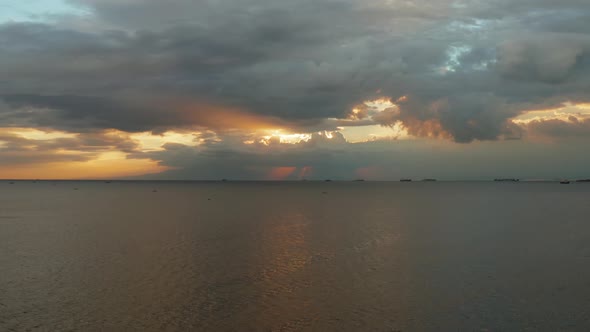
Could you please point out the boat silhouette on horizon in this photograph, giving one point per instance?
(507, 180)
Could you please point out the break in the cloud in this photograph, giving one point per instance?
(288, 89)
(34, 10)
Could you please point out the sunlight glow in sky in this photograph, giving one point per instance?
(154, 142)
(36, 134)
(566, 113)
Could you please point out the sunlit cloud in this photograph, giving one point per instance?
(550, 125)
(285, 138)
(30, 153)
(37, 134)
(380, 104)
(385, 123)
(567, 113)
(154, 142)
(278, 137)
(374, 132)
(364, 123)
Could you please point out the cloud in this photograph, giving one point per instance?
(556, 128)
(549, 59)
(298, 61)
(377, 160)
(25, 146)
(240, 68)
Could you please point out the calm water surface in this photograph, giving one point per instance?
(294, 256)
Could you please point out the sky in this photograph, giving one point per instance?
(291, 90)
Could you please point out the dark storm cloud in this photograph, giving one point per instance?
(83, 113)
(467, 66)
(552, 59)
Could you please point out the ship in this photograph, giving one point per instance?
(507, 180)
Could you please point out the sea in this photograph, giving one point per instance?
(294, 256)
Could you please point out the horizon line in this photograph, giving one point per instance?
(306, 180)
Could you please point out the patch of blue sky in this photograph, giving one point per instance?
(34, 10)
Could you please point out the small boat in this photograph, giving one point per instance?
(507, 180)
(405, 180)
(564, 182)
(429, 180)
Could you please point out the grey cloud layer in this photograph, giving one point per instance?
(16, 150)
(379, 160)
(467, 66)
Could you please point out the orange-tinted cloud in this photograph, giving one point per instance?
(429, 128)
(28, 153)
(281, 173)
(227, 118)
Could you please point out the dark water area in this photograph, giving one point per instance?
(310, 256)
